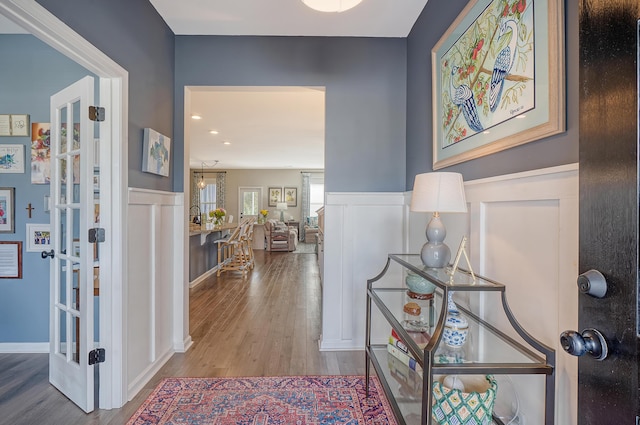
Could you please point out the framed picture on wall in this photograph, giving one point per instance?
(38, 237)
(11, 264)
(275, 196)
(7, 210)
(291, 196)
(12, 159)
(155, 154)
(498, 79)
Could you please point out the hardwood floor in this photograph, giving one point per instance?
(266, 324)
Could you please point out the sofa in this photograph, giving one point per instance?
(279, 236)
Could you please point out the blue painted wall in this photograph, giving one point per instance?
(365, 95)
(34, 72)
(556, 150)
(132, 34)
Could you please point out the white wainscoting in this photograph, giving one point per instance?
(154, 314)
(523, 232)
(361, 229)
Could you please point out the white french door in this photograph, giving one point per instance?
(73, 257)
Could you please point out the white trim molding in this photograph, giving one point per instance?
(114, 92)
(158, 291)
(361, 229)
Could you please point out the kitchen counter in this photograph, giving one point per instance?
(196, 229)
(203, 249)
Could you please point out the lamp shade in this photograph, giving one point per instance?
(438, 192)
(281, 206)
(331, 5)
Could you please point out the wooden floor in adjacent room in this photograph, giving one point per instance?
(266, 324)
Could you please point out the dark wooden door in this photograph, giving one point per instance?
(608, 389)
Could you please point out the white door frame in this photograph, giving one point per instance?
(114, 89)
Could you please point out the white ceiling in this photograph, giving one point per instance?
(266, 127)
(277, 127)
(371, 18)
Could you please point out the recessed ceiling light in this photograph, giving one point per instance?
(226, 142)
(196, 117)
(213, 131)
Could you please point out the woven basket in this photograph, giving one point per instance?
(455, 407)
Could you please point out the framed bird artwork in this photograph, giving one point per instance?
(498, 79)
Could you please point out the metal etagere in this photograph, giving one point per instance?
(491, 350)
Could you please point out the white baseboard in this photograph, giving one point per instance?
(184, 346)
(141, 380)
(204, 276)
(340, 346)
(24, 347)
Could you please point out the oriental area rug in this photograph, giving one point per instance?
(297, 400)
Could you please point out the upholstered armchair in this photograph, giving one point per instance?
(311, 230)
(279, 236)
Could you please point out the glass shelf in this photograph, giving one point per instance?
(487, 350)
(462, 281)
(403, 384)
(494, 345)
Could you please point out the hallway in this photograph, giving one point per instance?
(267, 324)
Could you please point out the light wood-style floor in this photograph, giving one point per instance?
(266, 324)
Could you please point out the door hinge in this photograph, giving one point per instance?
(96, 356)
(96, 113)
(96, 235)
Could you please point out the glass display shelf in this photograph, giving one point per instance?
(461, 280)
(491, 341)
(487, 349)
(403, 385)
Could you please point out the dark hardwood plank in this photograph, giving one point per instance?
(265, 324)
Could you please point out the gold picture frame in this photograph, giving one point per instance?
(498, 79)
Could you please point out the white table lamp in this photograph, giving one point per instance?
(282, 207)
(437, 193)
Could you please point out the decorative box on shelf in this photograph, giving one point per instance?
(460, 359)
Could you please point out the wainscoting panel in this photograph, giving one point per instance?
(523, 232)
(154, 224)
(361, 229)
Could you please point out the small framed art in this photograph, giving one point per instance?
(291, 196)
(275, 196)
(155, 155)
(12, 159)
(38, 237)
(14, 125)
(10, 260)
(7, 210)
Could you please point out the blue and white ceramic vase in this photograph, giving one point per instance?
(456, 327)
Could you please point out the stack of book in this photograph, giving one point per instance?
(399, 350)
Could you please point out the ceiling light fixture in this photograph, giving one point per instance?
(201, 183)
(213, 131)
(331, 5)
(226, 142)
(196, 117)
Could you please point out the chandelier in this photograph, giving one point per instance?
(331, 5)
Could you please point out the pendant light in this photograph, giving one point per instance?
(201, 183)
(331, 5)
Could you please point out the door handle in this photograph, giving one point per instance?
(46, 254)
(589, 341)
